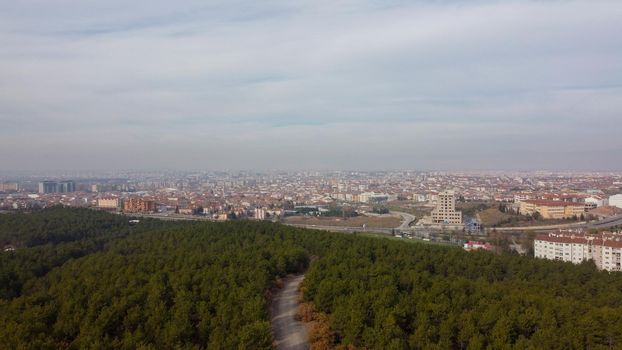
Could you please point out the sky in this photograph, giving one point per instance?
(321, 85)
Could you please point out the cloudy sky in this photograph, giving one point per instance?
(320, 84)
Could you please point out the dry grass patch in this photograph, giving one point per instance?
(493, 216)
(318, 327)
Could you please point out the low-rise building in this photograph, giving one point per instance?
(472, 225)
(474, 245)
(185, 211)
(552, 209)
(592, 202)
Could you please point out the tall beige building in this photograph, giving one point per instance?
(445, 211)
(108, 203)
(9, 186)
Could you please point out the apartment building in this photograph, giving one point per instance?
(9, 187)
(522, 196)
(445, 211)
(616, 200)
(139, 205)
(260, 214)
(47, 187)
(57, 187)
(605, 249)
(108, 203)
(552, 209)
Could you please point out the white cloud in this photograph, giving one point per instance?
(232, 81)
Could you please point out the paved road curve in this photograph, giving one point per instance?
(289, 333)
(407, 219)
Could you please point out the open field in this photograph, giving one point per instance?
(379, 221)
(492, 216)
(469, 209)
(408, 207)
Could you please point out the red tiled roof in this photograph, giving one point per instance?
(581, 239)
(541, 202)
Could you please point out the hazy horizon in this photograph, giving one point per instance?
(106, 173)
(300, 85)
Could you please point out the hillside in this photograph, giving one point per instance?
(203, 285)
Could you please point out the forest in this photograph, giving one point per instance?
(82, 279)
(382, 294)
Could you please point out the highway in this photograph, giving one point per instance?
(407, 219)
(615, 220)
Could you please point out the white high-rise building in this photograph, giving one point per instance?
(616, 200)
(605, 249)
(445, 211)
(260, 214)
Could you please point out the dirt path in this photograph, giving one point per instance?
(289, 334)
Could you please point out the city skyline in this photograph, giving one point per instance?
(451, 85)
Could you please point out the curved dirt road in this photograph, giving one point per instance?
(289, 334)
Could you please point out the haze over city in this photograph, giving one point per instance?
(311, 85)
(297, 175)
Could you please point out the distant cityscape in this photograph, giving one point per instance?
(408, 204)
(553, 195)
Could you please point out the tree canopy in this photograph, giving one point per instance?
(86, 279)
(382, 294)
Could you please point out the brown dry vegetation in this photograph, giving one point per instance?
(318, 328)
(492, 216)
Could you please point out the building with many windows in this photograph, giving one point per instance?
(109, 203)
(57, 187)
(47, 187)
(552, 209)
(616, 200)
(66, 186)
(138, 205)
(605, 249)
(445, 211)
(9, 187)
